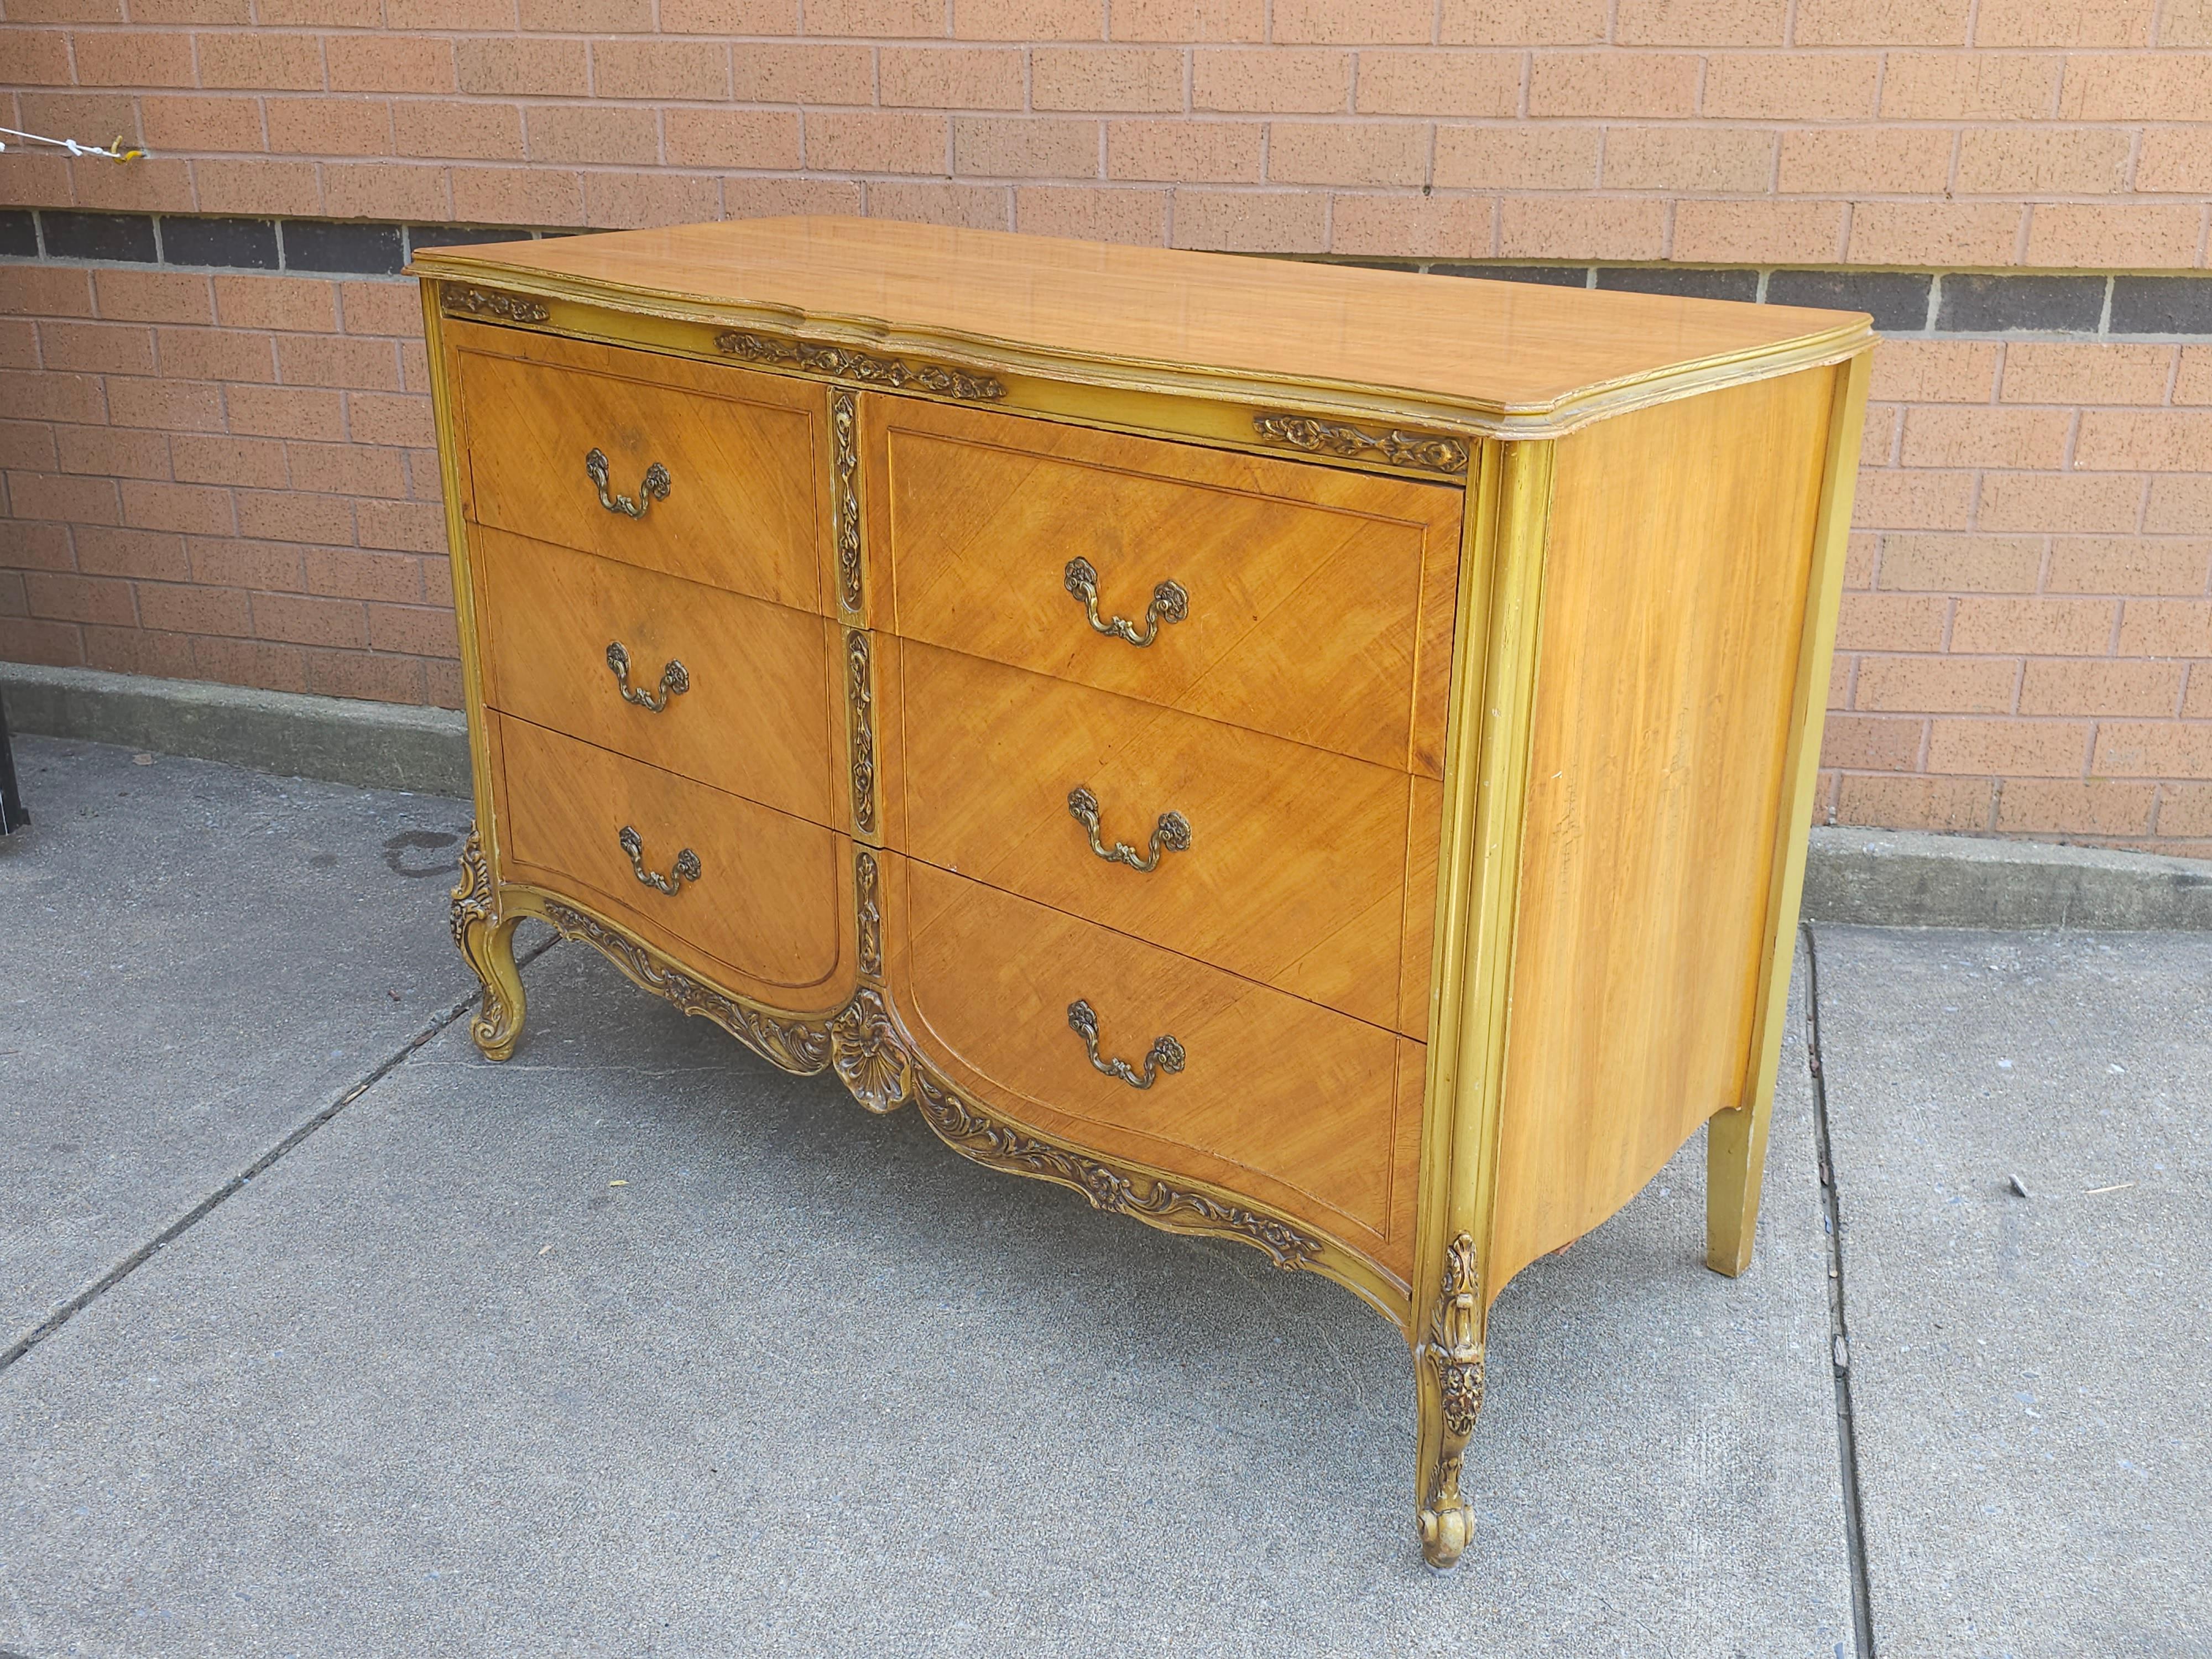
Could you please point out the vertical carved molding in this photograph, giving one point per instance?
(1452, 1353)
(868, 899)
(844, 491)
(860, 705)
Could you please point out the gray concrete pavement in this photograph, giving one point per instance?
(2028, 1373)
(193, 959)
(634, 1345)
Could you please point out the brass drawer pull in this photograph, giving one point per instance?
(1169, 604)
(1170, 835)
(655, 489)
(687, 864)
(1166, 1053)
(675, 679)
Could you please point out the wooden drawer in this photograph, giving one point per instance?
(768, 914)
(760, 687)
(1298, 1106)
(747, 503)
(1295, 872)
(1318, 600)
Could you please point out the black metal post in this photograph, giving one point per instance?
(13, 815)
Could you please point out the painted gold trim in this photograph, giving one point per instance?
(460, 301)
(488, 944)
(1735, 1140)
(1486, 777)
(1430, 452)
(845, 363)
(988, 363)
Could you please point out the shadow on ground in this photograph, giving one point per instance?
(636, 1346)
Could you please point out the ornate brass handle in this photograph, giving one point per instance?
(655, 489)
(1169, 604)
(1170, 835)
(675, 679)
(687, 864)
(1166, 1054)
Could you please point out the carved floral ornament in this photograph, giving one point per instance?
(1431, 452)
(844, 422)
(870, 1053)
(860, 707)
(843, 363)
(1452, 1352)
(460, 301)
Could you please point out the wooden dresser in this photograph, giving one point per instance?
(1314, 755)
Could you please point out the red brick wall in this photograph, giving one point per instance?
(226, 474)
(222, 476)
(2025, 632)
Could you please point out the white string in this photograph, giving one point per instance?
(116, 151)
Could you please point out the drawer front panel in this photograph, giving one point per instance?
(1284, 864)
(1310, 602)
(760, 683)
(769, 911)
(1287, 1102)
(746, 502)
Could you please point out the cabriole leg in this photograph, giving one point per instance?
(1735, 1160)
(486, 938)
(1448, 1376)
(489, 947)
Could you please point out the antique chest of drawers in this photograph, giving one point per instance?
(1314, 755)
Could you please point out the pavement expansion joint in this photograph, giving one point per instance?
(1839, 1334)
(236, 1183)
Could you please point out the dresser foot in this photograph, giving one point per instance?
(1735, 1159)
(1448, 1367)
(486, 939)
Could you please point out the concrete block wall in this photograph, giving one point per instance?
(215, 437)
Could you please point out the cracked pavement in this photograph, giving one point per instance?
(321, 1335)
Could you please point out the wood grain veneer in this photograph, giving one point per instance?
(747, 507)
(1488, 699)
(1498, 349)
(1320, 599)
(562, 805)
(1297, 870)
(1654, 767)
(1277, 1097)
(758, 714)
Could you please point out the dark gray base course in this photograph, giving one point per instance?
(1870, 878)
(374, 746)
(2081, 305)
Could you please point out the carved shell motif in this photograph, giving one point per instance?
(869, 1054)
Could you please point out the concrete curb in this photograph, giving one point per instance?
(376, 745)
(1866, 877)
(1903, 879)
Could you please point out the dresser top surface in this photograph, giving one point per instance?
(1516, 347)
